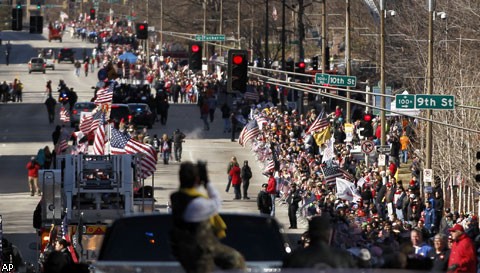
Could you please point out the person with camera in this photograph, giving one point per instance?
(178, 139)
(197, 227)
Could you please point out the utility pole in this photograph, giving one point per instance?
(324, 34)
(221, 26)
(301, 30)
(431, 14)
(204, 26)
(266, 65)
(347, 56)
(383, 138)
(238, 24)
(161, 28)
(283, 34)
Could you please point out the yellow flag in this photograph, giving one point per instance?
(322, 136)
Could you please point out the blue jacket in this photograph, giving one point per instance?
(429, 218)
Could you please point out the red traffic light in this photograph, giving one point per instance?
(92, 11)
(367, 117)
(237, 59)
(195, 48)
(301, 65)
(141, 27)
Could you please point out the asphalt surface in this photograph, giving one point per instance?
(25, 129)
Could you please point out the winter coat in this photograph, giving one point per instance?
(463, 255)
(235, 174)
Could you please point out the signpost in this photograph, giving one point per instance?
(337, 80)
(382, 160)
(383, 149)
(368, 146)
(209, 37)
(438, 102)
(428, 175)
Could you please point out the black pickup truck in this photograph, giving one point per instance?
(140, 243)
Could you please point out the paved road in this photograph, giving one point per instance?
(25, 129)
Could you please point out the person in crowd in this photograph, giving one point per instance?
(178, 139)
(246, 175)
(421, 248)
(204, 112)
(404, 143)
(440, 253)
(235, 173)
(77, 66)
(234, 124)
(56, 135)
(197, 227)
(272, 190)
(233, 162)
(293, 199)
(463, 257)
(318, 254)
(161, 100)
(212, 106)
(166, 148)
(226, 118)
(33, 167)
(264, 201)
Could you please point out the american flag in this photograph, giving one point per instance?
(90, 122)
(319, 123)
(100, 138)
(250, 131)
(61, 146)
(122, 143)
(261, 120)
(105, 95)
(269, 166)
(331, 173)
(251, 95)
(64, 115)
(66, 236)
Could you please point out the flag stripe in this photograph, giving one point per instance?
(250, 131)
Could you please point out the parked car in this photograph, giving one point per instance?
(259, 238)
(78, 109)
(141, 114)
(50, 63)
(37, 64)
(66, 54)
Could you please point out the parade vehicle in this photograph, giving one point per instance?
(141, 114)
(54, 33)
(85, 193)
(141, 243)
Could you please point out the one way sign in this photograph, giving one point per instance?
(385, 149)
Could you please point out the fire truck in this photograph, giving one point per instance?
(88, 192)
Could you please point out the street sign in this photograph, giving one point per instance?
(338, 80)
(428, 175)
(368, 146)
(382, 160)
(439, 102)
(321, 78)
(385, 149)
(404, 101)
(210, 37)
(341, 80)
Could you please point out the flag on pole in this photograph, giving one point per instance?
(105, 95)
(346, 190)
(250, 131)
(90, 121)
(269, 166)
(122, 143)
(323, 135)
(61, 146)
(330, 173)
(66, 237)
(261, 120)
(100, 138)
(64, 115)
(319, 123)
(77, 238)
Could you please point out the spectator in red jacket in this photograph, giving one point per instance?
(33, 167)
(236, 181)
(272, 190)
(462, 257)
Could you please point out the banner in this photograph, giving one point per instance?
(346, 190)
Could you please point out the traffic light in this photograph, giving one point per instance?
(195, 56)
(366, 124)
(39, 5)
(141, 30)
(36, 24)
(315, 62)
(17, 18)
(289, 65)
(299, 68)
(327, 58)
(477, 168)
(92, 14)
(237, 70)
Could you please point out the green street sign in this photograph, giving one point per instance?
(321, 78)
(404, 101)
(341, 80)
(338, 80)
(210, 37)
(439, 102)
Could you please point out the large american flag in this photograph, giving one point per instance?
(269, 166)
(90, 122)
(261, 120)
(105, 95)
(319, 123)
(100, 138)
(122, 143)
(331, 173)
(64, 115)
(250, 131)
(66, 236)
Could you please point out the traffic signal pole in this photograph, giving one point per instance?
(383, 138)
(347, 57)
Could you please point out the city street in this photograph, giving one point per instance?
(25, 129)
